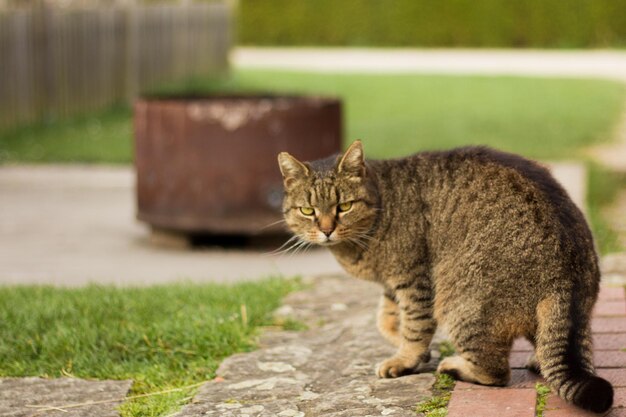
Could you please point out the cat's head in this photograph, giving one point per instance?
(329, 201)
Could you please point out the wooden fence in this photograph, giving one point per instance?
(58, 62)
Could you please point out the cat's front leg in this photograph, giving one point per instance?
(388, 318)
(416, 327)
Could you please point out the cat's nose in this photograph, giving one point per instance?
(326, 225)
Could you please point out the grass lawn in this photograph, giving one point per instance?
(396, 115)
(104, 137)
(393, 114)
(162, 337)
(604, 186)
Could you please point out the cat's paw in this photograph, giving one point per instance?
(453, 366)
(463, 370)
(396, 366)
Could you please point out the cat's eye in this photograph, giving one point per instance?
(307, 211)
(344, 206)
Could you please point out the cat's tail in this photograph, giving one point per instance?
(564, 352)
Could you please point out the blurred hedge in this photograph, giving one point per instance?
(430, 23)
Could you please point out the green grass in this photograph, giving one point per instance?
(393, 114)
(399, 114)
(604, 185)
(103, 137)
(162, 337)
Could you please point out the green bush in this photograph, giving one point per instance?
(430, 23)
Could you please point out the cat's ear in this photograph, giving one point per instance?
(291, 168)
(352, 161)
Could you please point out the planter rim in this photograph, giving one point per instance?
(239, 97)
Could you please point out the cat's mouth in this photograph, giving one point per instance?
(328, 242)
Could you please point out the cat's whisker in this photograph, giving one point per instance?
(302, 245)
(280, 248)
(292, 248)
(362, 234)
(282, 252)
(357, 242)
(306, 247)
(273, 224)
(364, 238)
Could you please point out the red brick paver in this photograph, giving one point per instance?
(519, 397)
(610, 308)
(617, 377)
(556, 407)
(609, 341)
(497, 402)
(620, 397)
(610, 359)
(608, 325)
(520, 378)
(612, 294)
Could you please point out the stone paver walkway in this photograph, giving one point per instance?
(33, 397)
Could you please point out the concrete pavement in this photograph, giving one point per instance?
(71, 225)
(609, 64)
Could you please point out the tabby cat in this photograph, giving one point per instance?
(484, 243)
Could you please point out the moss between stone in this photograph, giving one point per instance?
(437, 405)
(542, 396)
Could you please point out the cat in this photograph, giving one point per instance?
(484, 243)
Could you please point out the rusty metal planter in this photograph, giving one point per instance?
(208, 165)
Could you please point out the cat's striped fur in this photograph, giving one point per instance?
(484, 243)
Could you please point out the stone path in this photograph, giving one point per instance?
(32, 397)
(327, 370)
